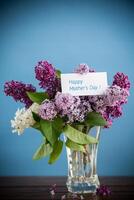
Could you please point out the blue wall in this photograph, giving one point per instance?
(100, 33)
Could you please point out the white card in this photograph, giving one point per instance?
(94, 83)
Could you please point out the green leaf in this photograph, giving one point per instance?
(95, 119)
(37, 97)
(58, 73)
(74, 146)
(57, 149)
(42, 151)
(36, 117)
(57, 125)
(78, 137)
(52, 129)
(46, 127)
(36, 126)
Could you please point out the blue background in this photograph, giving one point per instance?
(99, 33)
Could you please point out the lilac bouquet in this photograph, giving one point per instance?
(52, 112)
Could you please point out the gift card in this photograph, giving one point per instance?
(94, 83)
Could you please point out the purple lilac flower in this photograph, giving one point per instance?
(71, 106)
(110, 113)
(64, 102)
(113, 95)
(83, 69)
(109, 104)
(18, 91)
(53, 87)
(124, 96)
(121, 80)
(98, 102)
(103, 191)
(115, 111)
(77, 114)
(86, 103)
(46, 74)
(47, 110)
(80, 110)
(106, 116)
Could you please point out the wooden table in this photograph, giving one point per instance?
(31, 188)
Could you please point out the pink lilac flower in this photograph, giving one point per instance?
(47, 110)
(46, 74)
(18, 91)
(121, 80)
(83, 69)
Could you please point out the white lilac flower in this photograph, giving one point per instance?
(24, 118)
(34, 108)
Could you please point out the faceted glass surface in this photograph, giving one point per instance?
(82, 172)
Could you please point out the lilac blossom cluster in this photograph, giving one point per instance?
(118, 95)
(110, 104)
(83, 69)
(74, 109)
(18, 91)
(77, 108)
(121, 80)
(47, 110)
(70, 106)
(46, 74)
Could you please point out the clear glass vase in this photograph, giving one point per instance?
(82, 167)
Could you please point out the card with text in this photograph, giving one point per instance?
(84, 84)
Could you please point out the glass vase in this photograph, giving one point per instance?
(82, 167)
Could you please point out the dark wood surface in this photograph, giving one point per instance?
(37, 188)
